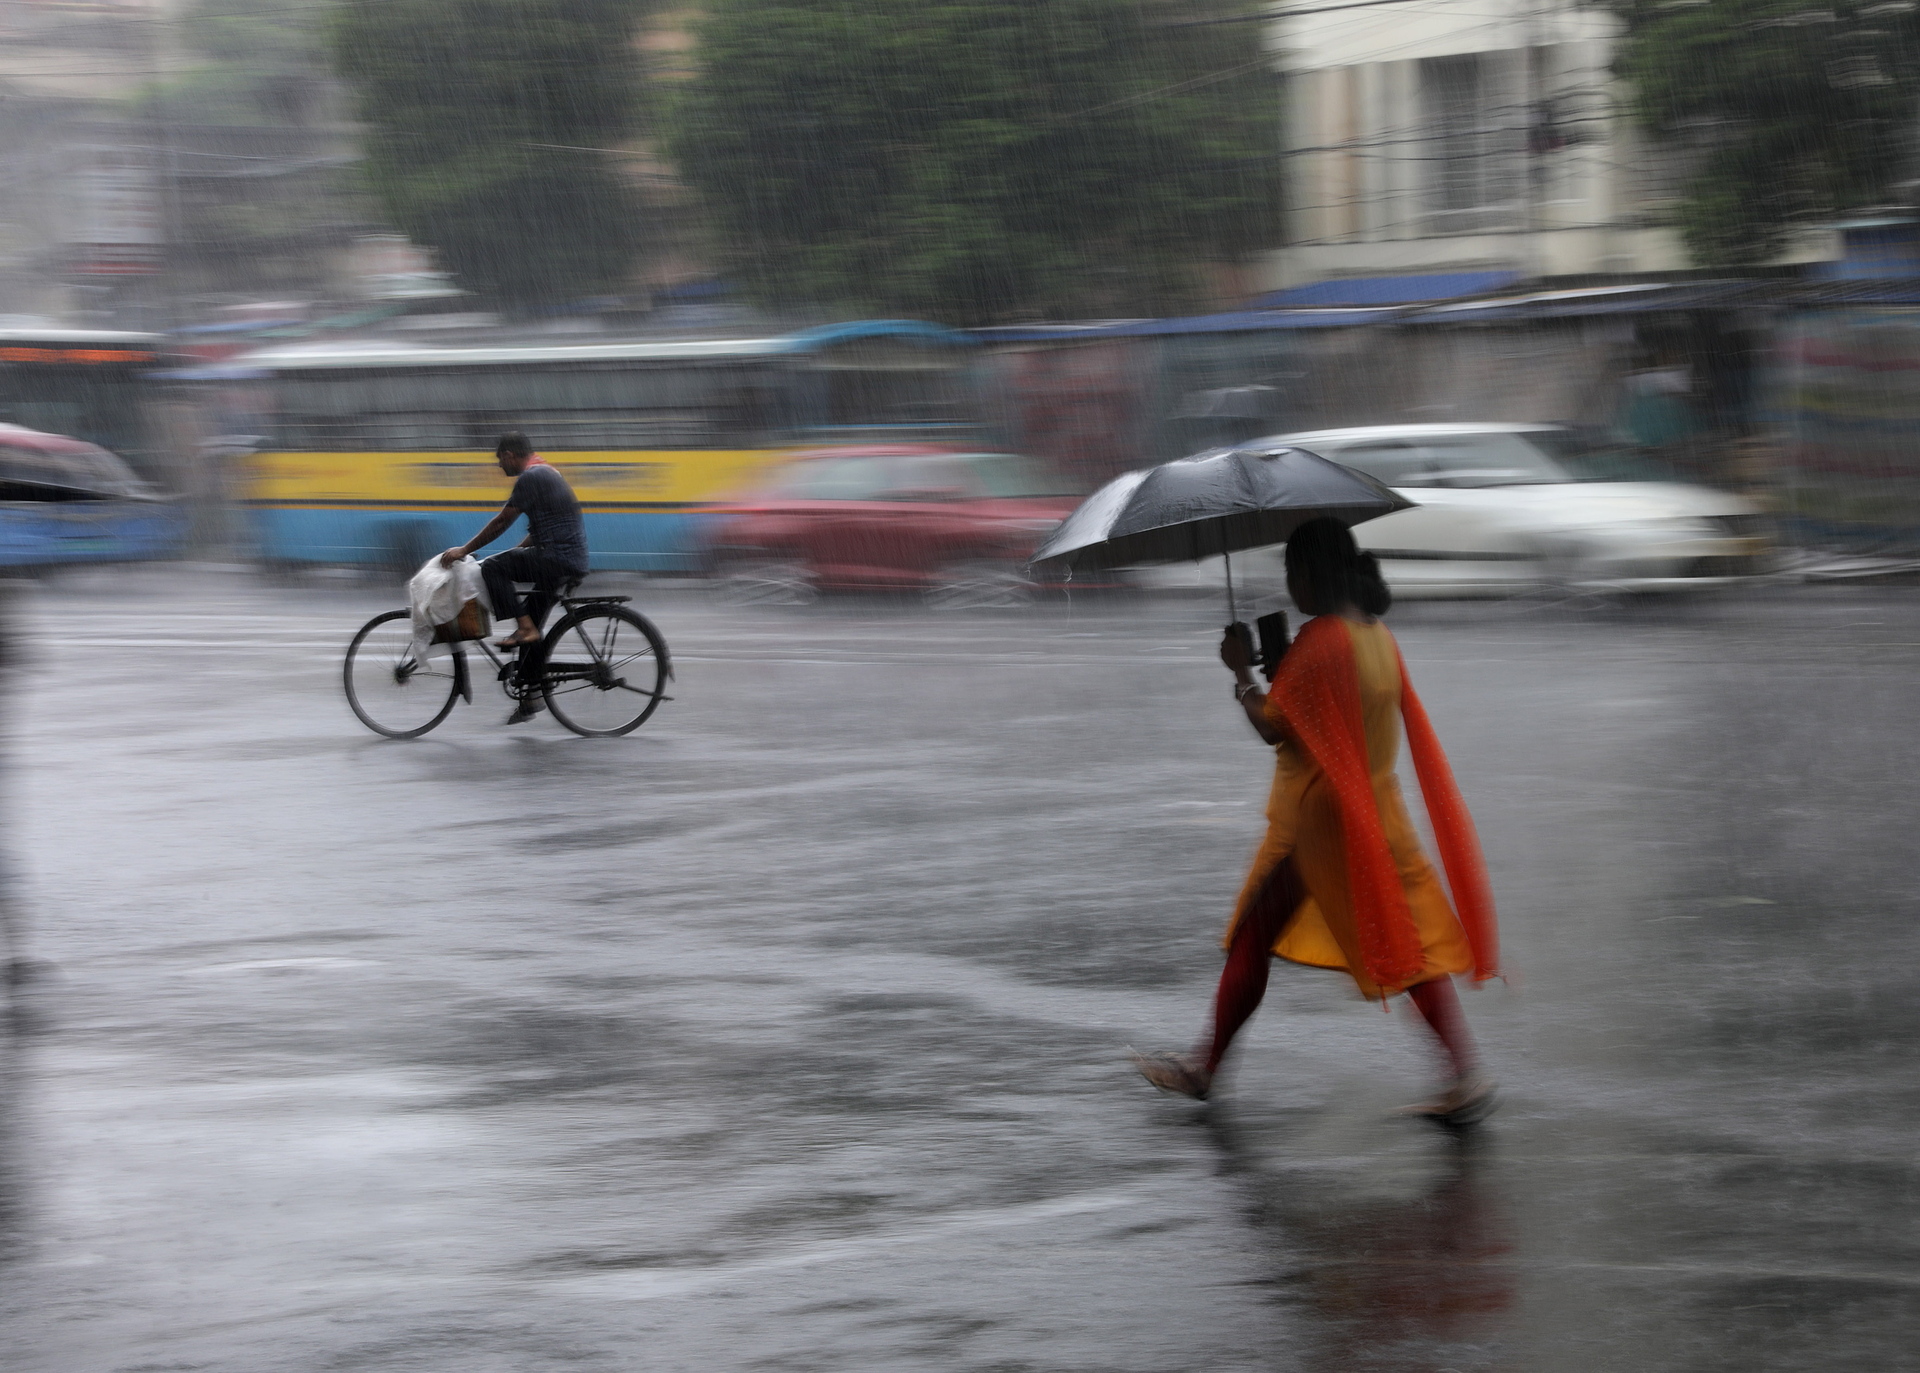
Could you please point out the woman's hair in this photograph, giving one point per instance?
(1330, 566)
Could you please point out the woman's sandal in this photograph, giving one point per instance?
(1468, 1101)
(1177, 1074)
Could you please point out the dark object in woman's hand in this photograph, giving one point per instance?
(1273, 641)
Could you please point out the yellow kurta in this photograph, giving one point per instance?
(1303, 822)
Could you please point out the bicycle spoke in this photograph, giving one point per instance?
(391, 689)
(588, 686)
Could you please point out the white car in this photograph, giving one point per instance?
(1505, 508)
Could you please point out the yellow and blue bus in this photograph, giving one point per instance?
(380, 452)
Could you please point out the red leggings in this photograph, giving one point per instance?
(1243, 982)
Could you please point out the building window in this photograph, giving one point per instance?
(1476, 114)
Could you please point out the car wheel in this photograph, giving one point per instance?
(767, 581)
(979, 585)
(1570, 575)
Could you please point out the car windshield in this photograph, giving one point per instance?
(830, 479)
(1531, 457)
(955, 476)
(992, 476)
(1601, 460)
(1455, 460)
(1013, 476)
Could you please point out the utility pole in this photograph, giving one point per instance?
(166, 164)
(1534, 82)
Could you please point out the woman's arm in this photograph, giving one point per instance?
(1235, 653)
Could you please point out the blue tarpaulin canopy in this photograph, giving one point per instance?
(1372, 291)
(1232, 322)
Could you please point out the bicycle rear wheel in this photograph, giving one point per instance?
(392, 692)
(605, 671)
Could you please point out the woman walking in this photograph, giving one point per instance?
(1340, 881)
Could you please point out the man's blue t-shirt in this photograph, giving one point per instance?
(553, 515)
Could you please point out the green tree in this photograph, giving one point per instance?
(488, 123)
(1800, 112)
(980, 160)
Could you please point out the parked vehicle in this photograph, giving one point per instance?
(1505, 508)
(64, 501)
(955, 526)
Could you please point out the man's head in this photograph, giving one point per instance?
(513, 453)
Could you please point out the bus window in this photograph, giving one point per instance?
(100, 404)
(893, 397)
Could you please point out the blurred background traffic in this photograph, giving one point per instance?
(872, 304)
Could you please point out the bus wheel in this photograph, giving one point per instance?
(405, 548)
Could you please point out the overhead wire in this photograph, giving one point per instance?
(1372, 194)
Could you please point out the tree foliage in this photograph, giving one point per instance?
(977, 160)
(1800, 112)
(485, 120)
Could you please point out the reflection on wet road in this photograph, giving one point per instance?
(788, 1032)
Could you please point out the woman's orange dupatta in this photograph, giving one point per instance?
(1316, 699)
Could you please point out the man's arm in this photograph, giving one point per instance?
(496, 526)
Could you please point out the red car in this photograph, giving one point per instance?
(954, 525)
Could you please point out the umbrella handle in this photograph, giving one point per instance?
(1233, 615)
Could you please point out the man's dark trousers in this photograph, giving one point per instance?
(548, 576)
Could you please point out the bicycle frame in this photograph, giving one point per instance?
(566, 605)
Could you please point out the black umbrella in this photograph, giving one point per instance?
(1217, 502)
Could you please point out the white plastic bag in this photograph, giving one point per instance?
(436, 595)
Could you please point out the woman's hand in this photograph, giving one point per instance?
(1235, 651)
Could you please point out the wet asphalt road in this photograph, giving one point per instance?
(787, 1033)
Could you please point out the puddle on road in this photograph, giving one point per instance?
(643, 1281)
(318, 963)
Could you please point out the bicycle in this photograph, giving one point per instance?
(602, 669)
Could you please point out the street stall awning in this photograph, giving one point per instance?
(1413, 289)
(1635, 298)
(1230, 322)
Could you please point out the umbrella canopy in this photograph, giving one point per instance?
(1220, 501)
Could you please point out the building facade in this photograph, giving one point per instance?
(1433, 139)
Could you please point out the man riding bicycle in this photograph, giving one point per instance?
(553, 553)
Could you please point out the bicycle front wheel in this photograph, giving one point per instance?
(391, 691)
(605, 670)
